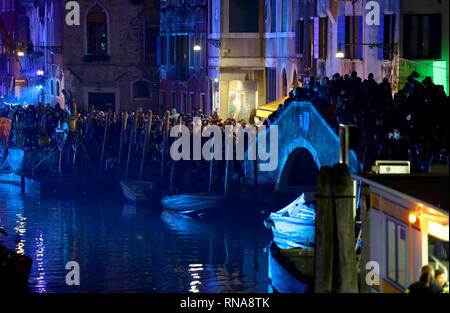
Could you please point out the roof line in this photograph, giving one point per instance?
(398, 193)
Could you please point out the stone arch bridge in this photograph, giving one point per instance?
(305, 143)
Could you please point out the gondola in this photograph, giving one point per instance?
(291, 270)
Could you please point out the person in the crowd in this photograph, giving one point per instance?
(426, 283)
(441, 279)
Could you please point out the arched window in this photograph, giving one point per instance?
(52, 88)
(97, 31)
(57, 88)
(141, 89)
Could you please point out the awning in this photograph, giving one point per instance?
(265, 110)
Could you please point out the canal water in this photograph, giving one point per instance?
(121, 248)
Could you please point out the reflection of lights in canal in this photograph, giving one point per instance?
(40, 249)
(21, 231)
(194, 268)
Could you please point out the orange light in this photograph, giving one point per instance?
(412, 218)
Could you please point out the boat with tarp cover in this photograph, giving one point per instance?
(294, 225)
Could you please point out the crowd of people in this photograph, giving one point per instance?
(34, 126)
(411, 125)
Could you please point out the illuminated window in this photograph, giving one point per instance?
(97, 31)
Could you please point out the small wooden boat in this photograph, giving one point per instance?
(294, 225)
(187, 225)
(14, 271)
(136, 190)
(191, 203)
(291, 270)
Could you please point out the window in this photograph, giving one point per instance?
(151, 34)
(300, 36)
(57, 88)
(271, 87)
(323, 37)
(97, 33)
(52, 88)
(162, 51)
(185, 103)
(191, 101)
(386, 35)
(203, 104)
(284, 16)
(163, 99)
(273, 14)
(174, 99)
(141, 90)
(350, 36)
(422, 36)
(210, 16)
(203, 50)
(243, 16)
(191, 49)
(172, 50)
(396, 256)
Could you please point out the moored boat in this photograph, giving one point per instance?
(291, 270)
(135, 190)
(191, 203)
(294, 225)
(14, 270)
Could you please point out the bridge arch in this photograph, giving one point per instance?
(299, 167)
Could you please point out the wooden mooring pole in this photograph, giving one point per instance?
(105, 142)
(123, 132)
(212, 169)
(146, 139)
(165, 144)
(324, 253)
(131, 143)
(175, 163)
(346, 277)
(228, 166)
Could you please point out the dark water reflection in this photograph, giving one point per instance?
(123, 249)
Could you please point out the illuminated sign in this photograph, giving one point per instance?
(438, 230)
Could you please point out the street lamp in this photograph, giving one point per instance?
(197, 47)
(20, 54)
(40, 73)
(391, 48)
(339, 53)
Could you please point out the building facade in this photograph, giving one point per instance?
(182, 56)
(405, 37)
(110, 57)
(236, 56)
(7, 63)
(35, 27)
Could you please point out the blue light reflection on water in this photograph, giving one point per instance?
(123, 249)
